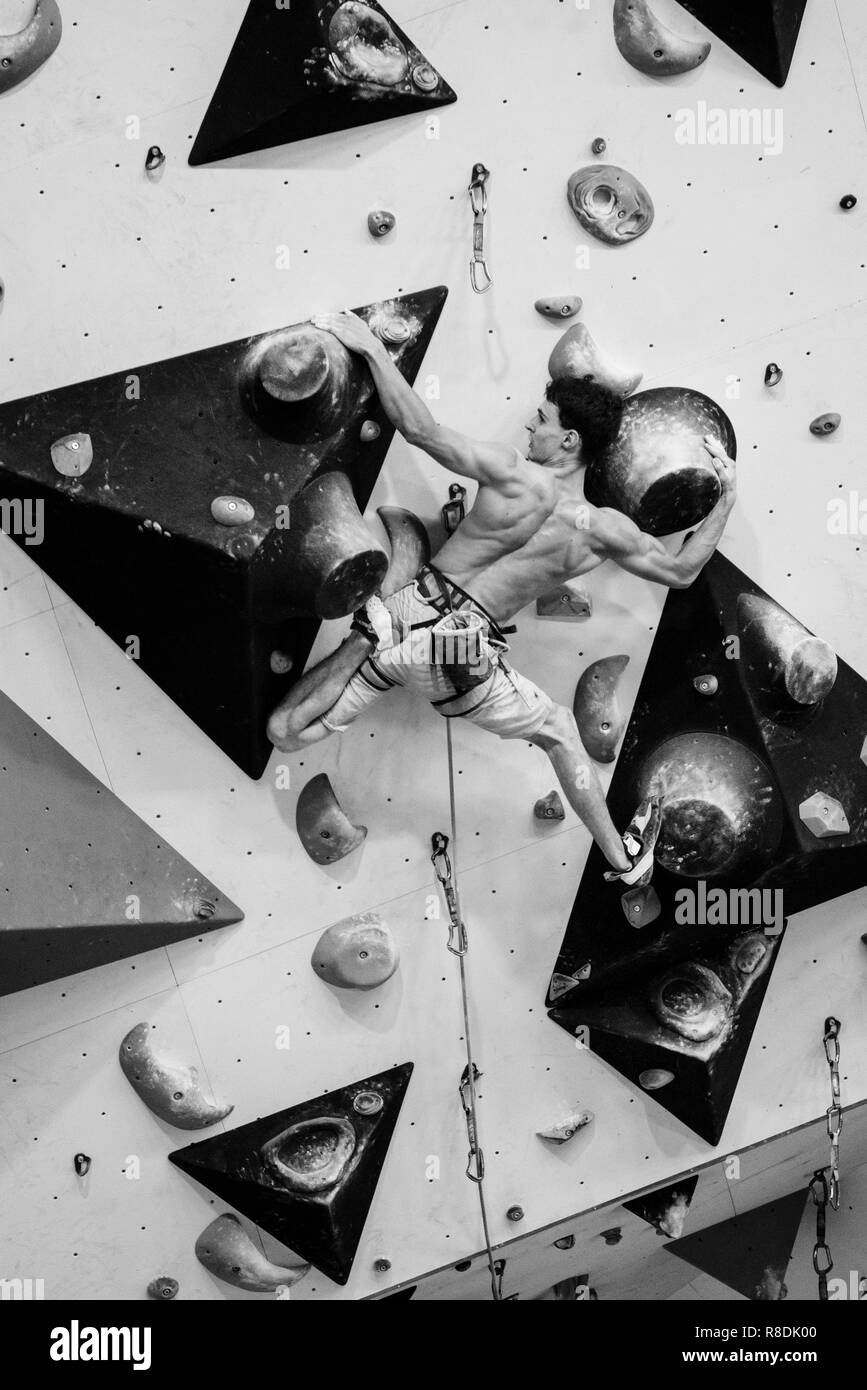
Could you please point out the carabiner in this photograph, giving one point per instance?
(480, 277)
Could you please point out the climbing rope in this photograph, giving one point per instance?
(458, 944)
(823, 1193)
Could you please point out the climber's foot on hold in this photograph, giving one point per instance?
(639, 842)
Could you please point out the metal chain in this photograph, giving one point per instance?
(823, 1193)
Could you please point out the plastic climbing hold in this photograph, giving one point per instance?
(170, 1089)
(72, 455)
(381, 222)
(564, 1130)
(358, 953)
(82, 1164)
(597, 712)
(325, 831)
(281, 663)
(610, 203)
(410, 547)
(825, 424)
(651, 47)
(577, 355)
(22, 53)
(848, 202)
(393, 329)
(155, 159)
(654, 1078)
(565, 604)
(515, 1213)
(2, 294)
(232, 511)
(706, 685)
(370, 431)
(562, 307)
(692, 1001)
(549, 807)
(562, 984)
(823, 815)
(641, 906)
(787, 653)
(599, 146)
(773, 374)
(864, 752)
(163, 1288)
(225, 1249)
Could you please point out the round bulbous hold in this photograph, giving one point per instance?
(825, 424)
(848, 202)
(72, 455)
(370, 431)
(358, 953)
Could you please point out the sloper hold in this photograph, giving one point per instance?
(749, 1253)
(785, 652)
(410, 547)
(77, 865)
(324, 829)
(307, 1174)
(597, 709)
(23, 53)
(763, 32)
(651, 47)
(667, 1208)
(170, 1089)
(225, 1249)
(565, 605)
(358, 953)
(210, 602)
(312, 68)
(576, 354)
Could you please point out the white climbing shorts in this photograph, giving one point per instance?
(506, 703)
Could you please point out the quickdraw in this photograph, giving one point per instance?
(458, 944)
(823, 1193)
(454, 511)
(480, 277)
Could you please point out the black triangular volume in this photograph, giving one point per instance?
(733, 768)
(666, 1208)
(682, 1035)
(763, 32)
(83, 881)
(748, 1253)
(307, 1175)
(312, 67)
(218, 613)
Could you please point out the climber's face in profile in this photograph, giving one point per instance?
(550, 442)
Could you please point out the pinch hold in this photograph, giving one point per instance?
(825, 424)
(564, 307)
(72, 455)
(773, 374)
(232, 511)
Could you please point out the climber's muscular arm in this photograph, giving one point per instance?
(614, 537)
(493, 464)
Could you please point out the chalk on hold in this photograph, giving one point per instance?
(773, 374)
(559, 306)
(163, 1288)
(706, 685)
(641, 906)
(232, 511)
(392, 329)
(651, 47)
(549, 807)
(792, 656)
(562, 1132)
(170, 1089)
(654, 1078)
(823, 816)
(370, 431)
(825, 424)
(596, 708)
(599, 146)
(358, 953)
(72, 455)
(155, 160)
(565, 604)
(225, 1249)
(381, 222)
(325, 831)
(848, 202)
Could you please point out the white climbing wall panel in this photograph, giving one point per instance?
(750, 259)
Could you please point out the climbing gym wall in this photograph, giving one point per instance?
(161, 247)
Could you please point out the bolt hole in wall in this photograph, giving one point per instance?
(701, 302)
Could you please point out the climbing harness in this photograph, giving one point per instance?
(823, 1193)
(480, 277)
(454, 511)
(458, 944)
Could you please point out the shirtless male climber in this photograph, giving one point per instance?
(529, 530)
